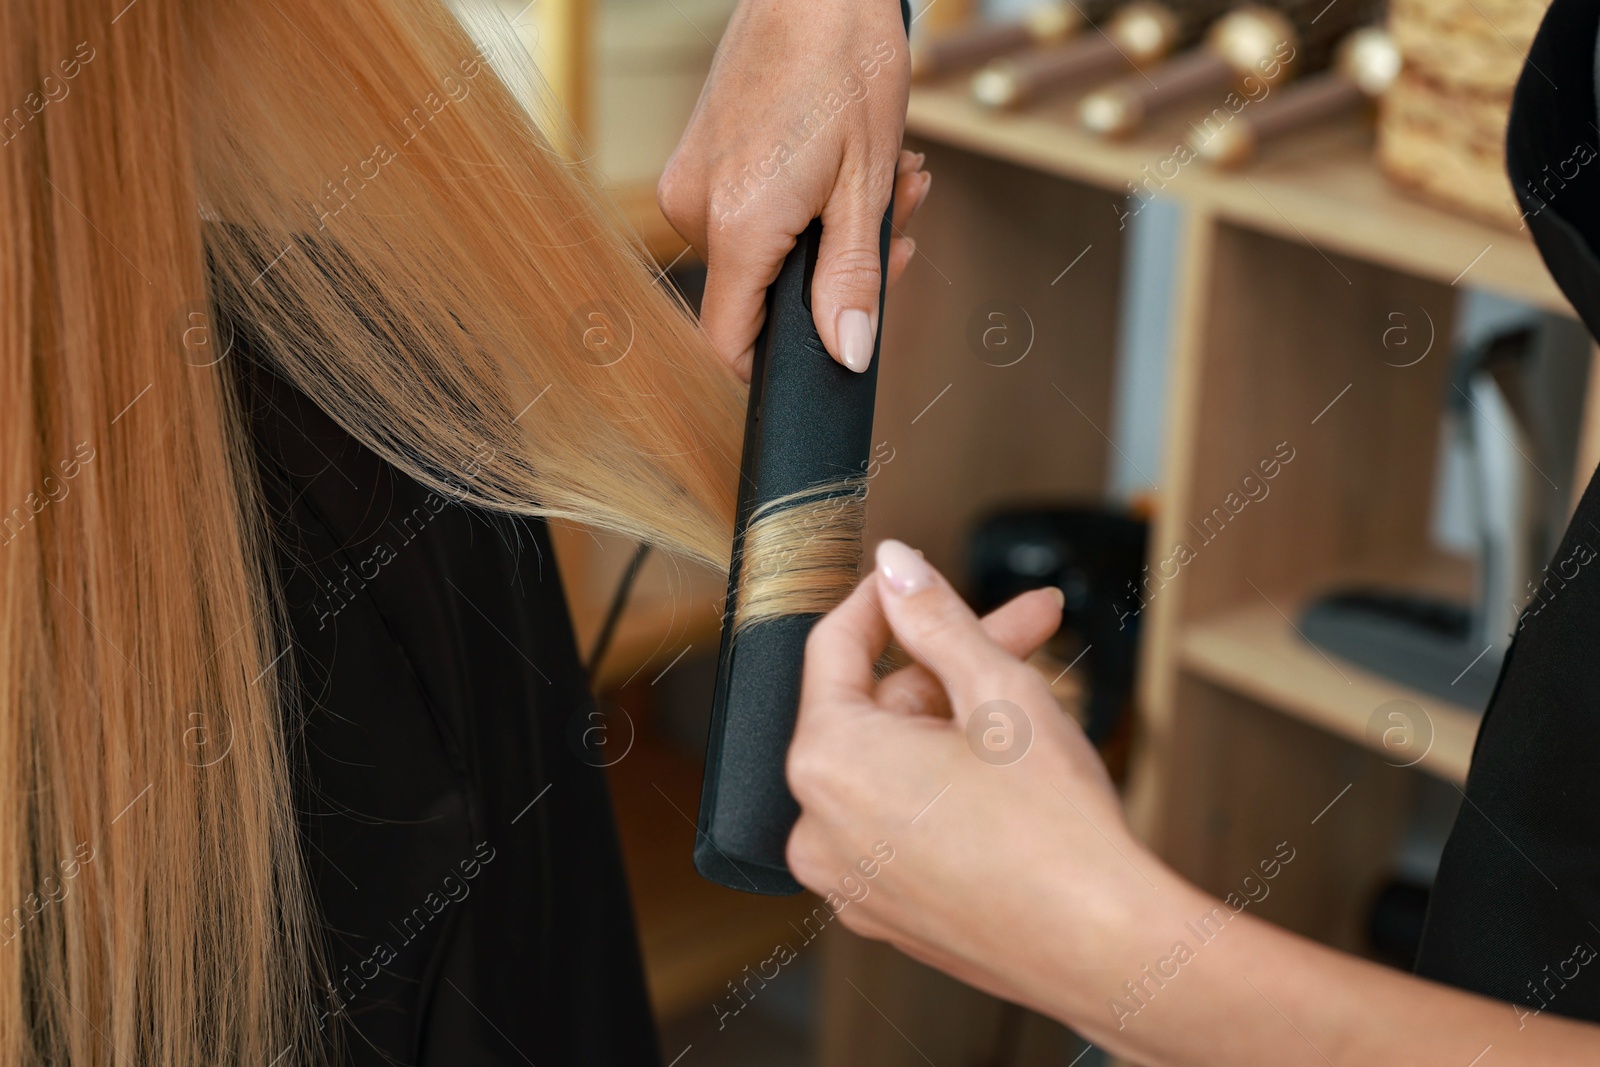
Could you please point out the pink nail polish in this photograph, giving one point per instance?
(854, 330)
(903, 568)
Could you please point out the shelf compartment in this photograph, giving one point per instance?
(1253, 650)
(999, 349)
(1246, 780)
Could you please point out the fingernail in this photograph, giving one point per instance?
(1060, 597)
(922, 157)
(903, 568)
(927, 184)
(855, 338)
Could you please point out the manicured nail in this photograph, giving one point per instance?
(903, 568)
(855, 338)
(1060, 597)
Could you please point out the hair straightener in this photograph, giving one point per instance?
(808, 424)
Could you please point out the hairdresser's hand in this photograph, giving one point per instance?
(1021, 877)
(801, 117)
(987, 844)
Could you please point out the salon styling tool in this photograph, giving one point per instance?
(1094, 556)
(809, 423)
(1254, 47)
(971, 45)
(1366, 64)
(1445, 647)
(809, 420)
(1395, 923)
(1139, 33)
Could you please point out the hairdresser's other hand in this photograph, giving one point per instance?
(1015, 872)
(986, 836)
(801, 117)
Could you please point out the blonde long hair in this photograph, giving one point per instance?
(355, 182)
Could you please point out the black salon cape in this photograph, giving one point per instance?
(1515, 910)
(464, 861)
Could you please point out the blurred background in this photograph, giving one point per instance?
(1225, 320)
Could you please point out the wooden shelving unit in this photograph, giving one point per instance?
(1288, 275)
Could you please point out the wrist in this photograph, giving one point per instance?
(1137, 934)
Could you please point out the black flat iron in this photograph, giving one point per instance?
(809, 422)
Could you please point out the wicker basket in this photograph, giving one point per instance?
(1441, 127)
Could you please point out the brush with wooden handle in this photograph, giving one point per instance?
(980, 42)
(1367, 64)
(1258, 45)
(1251, 40)
(1138, 34)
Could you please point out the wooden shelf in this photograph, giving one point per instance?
(1320, 189)
(1255, 652)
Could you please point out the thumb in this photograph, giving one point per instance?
(849, 277)
(936, 628)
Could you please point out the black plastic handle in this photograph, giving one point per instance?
(809, 423)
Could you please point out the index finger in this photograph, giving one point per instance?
(740, 265)
(843, 649)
